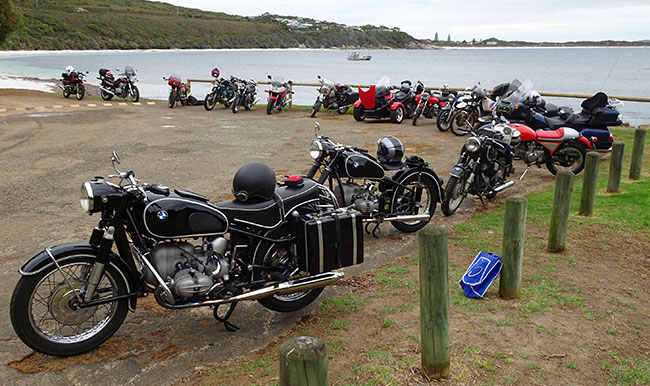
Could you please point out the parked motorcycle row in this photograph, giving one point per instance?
(280, 242)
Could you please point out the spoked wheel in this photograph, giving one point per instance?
(210, 101)
(416, 115)
(443, 121)
(236, 104)
(81, 91)
(107, 96)
(45, 315)
(570, 157)
(135, 94)
(66, 93)
(342, 110)
(454, 194)
(275, 255)
(419, 195)
(315, 109)
(462, 122)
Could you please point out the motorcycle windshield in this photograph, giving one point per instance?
(520, 91)
(277, 84)
(129, 71)
(328, 83)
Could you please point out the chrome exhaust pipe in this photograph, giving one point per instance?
(107, 90)
(287, 287)
(504, 186)
(406, 217)
(255, 101)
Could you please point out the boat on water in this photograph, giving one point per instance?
(356, 55)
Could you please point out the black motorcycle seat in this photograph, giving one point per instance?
(293, 197)
(192, 195)
(401, 95)
(599, 100)
(580, 119)
(392, 165)
(262, 213)
(551, 110)
(555, 123)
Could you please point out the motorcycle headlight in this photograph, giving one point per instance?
(87, 197)
(472, 144)
(316, 149)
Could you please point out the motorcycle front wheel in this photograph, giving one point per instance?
(235, 104)
(269, 107)
(210, 101)
(315, 108)
(416, 195)
(135, 94)
(570, 157)
(454, 194)
(443, 120)
(172, 99)
(416, 115)
(462, 123)
(43, 312)
(81, 91)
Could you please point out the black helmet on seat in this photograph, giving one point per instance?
(390, 150)
(254, 180)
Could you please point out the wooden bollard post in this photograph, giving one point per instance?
(615, 168)
(637, 154)
(589, 184)
(434, 302)
(303, 362)
(514, 229)
(560, 213)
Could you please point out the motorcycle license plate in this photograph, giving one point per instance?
(457, 171)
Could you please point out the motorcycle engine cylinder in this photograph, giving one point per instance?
(189, 283)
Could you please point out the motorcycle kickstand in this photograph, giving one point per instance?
(376, 231)
(482, 201)
(229, 326)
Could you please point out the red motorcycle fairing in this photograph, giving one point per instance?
(394, 105)
(357, 103)
(367, 98)
(273, 97)
(525, 132)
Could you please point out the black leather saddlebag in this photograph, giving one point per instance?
(329, 241)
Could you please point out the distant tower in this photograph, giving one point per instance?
(448, 38)
(435, 39)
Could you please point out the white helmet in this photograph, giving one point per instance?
(69, 70)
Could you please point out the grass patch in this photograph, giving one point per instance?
(625, 371)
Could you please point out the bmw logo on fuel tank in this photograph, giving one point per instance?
(162, 215)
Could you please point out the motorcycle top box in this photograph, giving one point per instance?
(330, 240)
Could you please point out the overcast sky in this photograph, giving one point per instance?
(531, 20)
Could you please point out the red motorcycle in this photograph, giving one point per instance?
(279, 94)
(381, 101)
(431, 103)
(179, 91)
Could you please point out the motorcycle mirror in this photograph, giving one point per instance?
(87, 72)
(115, 157)
(290, 82)
(268, 76)
(316, 129)
(117, 69)
(318, 76)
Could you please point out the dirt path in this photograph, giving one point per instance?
(50, 145)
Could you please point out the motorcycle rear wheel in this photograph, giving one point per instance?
(454, 194)
(462, 123)
(66, 94)
(397, 115)
(403, 201)
(172, 99)
(236, 104)
(574, 152)
(135, 94)
(342, 110)
(81, 91)
(43, 318)
(107, 96)
(443, 120)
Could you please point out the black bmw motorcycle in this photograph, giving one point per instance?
(407, 199)
(333, 97)
(223, 91)
(245, 94)
(484, 165)
(273, 244)
(122, 87)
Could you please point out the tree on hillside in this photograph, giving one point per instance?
(435, 39)
(8, 18)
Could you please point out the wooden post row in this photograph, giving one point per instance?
(615, 168)
(637, 154)
(589, 184)
(560, 213)
(514, 229)
(303, 362)
(434, 302)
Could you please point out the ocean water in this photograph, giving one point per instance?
(616, 70)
